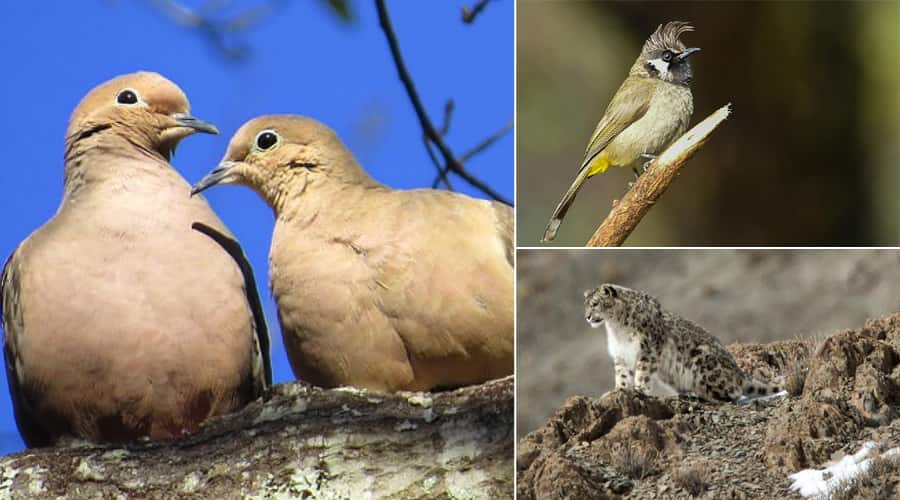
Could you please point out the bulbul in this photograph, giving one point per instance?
(651, 109)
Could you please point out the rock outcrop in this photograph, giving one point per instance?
(845, 391)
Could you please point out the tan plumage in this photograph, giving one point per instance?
(121, 320)
(376, 287)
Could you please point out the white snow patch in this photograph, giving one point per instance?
(811, 482)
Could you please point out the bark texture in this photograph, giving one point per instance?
(303, 442)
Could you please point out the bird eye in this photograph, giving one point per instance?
(667, 56)
(127, 96)
(266, 139)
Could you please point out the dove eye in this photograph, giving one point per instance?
(127, 96)
(266, 139)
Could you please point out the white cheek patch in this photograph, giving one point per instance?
(661, 67)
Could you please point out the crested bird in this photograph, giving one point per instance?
(650, 110)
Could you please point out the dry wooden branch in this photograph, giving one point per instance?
(300, 442)
(628, 212)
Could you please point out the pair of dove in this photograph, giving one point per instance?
(133, 313)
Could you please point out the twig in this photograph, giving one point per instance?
(628, 212)
(469, 15)
(442, 171)
(427, 126)
(448, 114)
(217, 32)
(480, 147)
(445, 128)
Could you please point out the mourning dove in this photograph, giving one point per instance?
(376, 288)
(121, 320)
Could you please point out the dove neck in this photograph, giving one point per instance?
(114, 159)
(315, 199)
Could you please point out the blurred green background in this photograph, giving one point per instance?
(808, 157)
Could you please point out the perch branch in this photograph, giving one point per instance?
(628, 212)
(450, 161)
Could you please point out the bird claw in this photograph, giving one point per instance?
(649, 157)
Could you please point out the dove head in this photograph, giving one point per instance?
(145, 109)
(282, 156)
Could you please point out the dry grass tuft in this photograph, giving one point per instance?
(635, 462)
(691, 479)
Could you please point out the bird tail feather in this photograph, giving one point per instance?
(564, 204)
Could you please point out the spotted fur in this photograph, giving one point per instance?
(657, 352)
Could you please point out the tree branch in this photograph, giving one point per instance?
(218, 33)
(445, 128)
(469, 15)
(300, 441)
(450, 161)
(465, 157)
(483, 145)
(628, 212)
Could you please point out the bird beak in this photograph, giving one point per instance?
(687, 53)
(217, 176)
(186, 120)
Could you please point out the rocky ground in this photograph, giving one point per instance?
(738, 295)
(845, 391)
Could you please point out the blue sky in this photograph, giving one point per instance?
(303, 60)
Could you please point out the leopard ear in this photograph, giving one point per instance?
(610, 290)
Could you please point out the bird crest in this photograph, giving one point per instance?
(666, 37)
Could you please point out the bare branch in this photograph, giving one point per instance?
(469, 15)
(478, 148)
(442, 176)
(448, 114)
(428, 128)
(219, 33)
(628, 212)
(490, 140)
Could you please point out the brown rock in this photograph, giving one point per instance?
(629, 444)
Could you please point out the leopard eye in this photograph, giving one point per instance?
(127, 97)
(266, 139)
